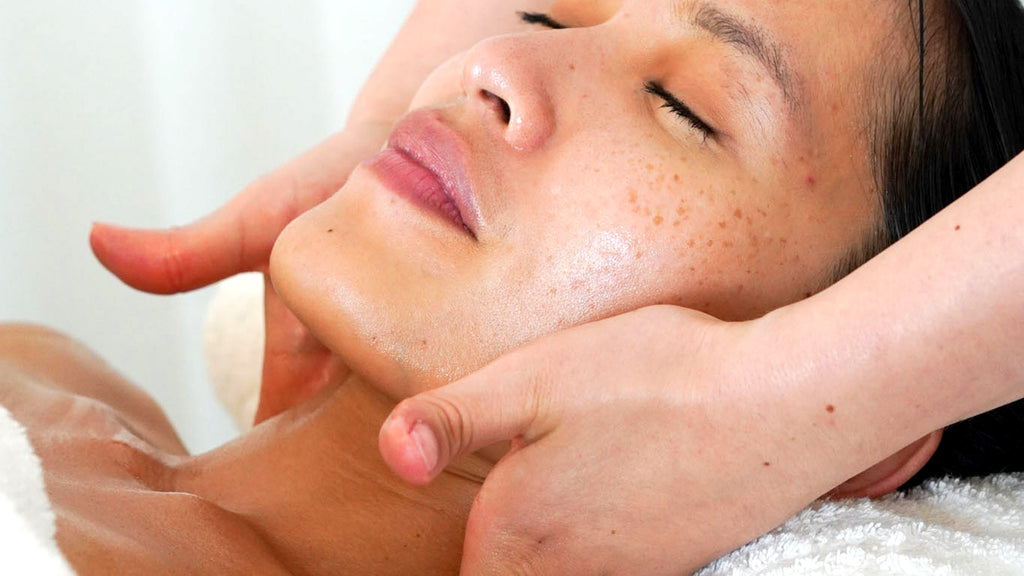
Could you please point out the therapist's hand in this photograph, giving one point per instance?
(238, 238)
(641, 445)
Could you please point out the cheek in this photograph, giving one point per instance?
(650, 230)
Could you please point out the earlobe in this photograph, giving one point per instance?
(891, 473)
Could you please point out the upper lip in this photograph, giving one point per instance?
(425, 138)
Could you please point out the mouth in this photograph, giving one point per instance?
(424, 163)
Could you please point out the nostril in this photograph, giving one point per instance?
(499, 104)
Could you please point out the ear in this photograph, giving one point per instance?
(891, 473)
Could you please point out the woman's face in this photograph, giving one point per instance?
(706, 154)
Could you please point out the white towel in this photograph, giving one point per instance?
(945, 528)
(27, 524)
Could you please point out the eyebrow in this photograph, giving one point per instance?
(750, 40)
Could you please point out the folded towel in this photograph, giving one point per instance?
(944, 528)
(27, 524)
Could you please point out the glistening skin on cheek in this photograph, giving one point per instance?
(509, 205)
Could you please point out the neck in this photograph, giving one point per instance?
(312, 484)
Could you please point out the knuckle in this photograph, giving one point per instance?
(457, 425)
(174, 264)
(542, 398)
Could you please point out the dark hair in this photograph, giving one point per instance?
(956, 118)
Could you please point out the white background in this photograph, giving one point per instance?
(153, 113)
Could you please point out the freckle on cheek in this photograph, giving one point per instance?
(811, 181)
(658, 220)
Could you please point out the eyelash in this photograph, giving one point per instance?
(675, 105)
(541, 19)
(679, 109)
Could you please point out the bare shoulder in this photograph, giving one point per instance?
(58, 368)
(109, 459)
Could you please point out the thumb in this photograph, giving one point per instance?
(505, 400)
(236, 238)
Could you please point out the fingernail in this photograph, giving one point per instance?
(426, 443)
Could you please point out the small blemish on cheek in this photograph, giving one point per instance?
(722, 224)
(830, 409)
(738, 214)
(811, 181)
(957, 228)
(658, 220)
(767, 464)
(330, 230)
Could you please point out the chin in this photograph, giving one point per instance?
(376, 291)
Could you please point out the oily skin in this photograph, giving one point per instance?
(594, 199)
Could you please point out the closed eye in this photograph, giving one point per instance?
(681, 110)
(670, 101)
(541, 19)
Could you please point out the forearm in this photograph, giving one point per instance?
(924, 335)
(421, 46)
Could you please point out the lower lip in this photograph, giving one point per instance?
(407, 178)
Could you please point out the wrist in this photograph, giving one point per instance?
(838, 372)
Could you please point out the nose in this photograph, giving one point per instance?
(506, 81)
